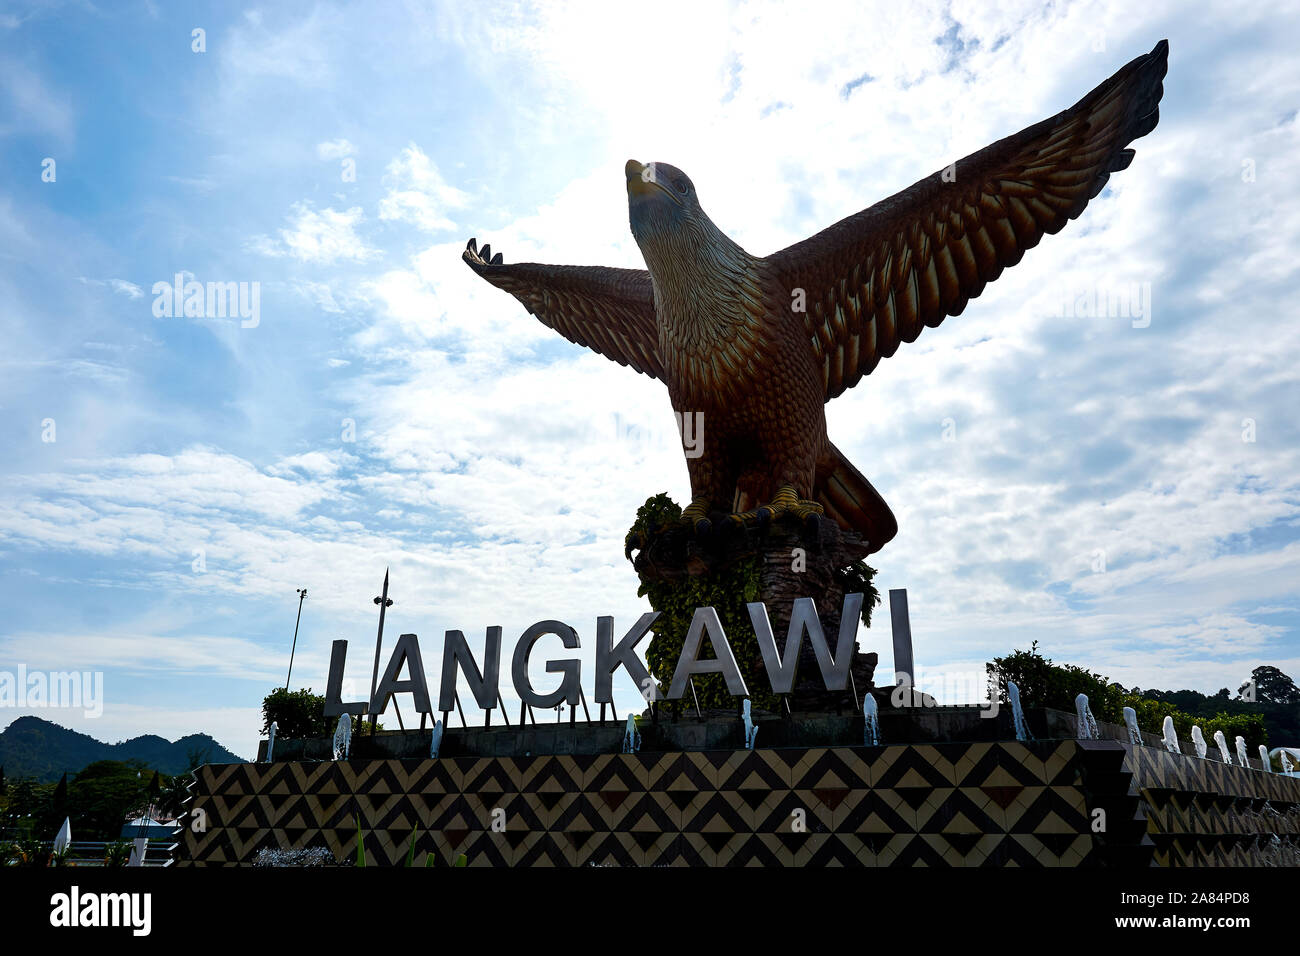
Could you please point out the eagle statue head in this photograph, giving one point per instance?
(669, 226)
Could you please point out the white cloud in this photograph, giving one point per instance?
(319, 294)
(489, 450)
(318, 237)
(418, 194)
(120, 286)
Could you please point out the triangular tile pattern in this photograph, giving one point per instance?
(1202, 812)
(969, 804)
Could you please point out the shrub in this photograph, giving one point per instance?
(1045, 684)
(297, 714)
(300, 714)
(117, 854)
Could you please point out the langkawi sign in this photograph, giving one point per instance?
(484, 681)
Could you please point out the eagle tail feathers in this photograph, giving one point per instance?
(852, 502)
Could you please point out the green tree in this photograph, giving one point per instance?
(300, 714)
(297, 714)
(28, 808)
(103, 795)
(1272, 686)
(1045, 684)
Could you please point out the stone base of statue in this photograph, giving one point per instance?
(728, 568)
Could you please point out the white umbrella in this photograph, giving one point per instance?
(65, 836)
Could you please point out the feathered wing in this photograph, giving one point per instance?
(877, 278)
(853, 502)
(610, 311)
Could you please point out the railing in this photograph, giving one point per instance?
(92, 852)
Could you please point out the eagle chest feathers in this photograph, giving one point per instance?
(717, 335)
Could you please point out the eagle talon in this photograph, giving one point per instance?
(481, 257)
(696, 516)
(786, 502)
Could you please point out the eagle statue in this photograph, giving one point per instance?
(758, 345)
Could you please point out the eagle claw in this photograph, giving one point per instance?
(481, 257)
(786, 502)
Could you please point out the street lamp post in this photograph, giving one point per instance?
(302, 594)
(384, 602)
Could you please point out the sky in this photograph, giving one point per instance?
(1120, 485)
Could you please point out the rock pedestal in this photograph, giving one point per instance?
(775, 564)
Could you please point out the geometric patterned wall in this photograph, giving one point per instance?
(946, 804)
(1201, 812)
(949, 804)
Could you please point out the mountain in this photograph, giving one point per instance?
(32, 747)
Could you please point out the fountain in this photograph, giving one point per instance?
(1017, 712)
(1131, 722)
(631, 739)
(1170, 736)
(1287, 766)
(1198, 741)
(1222, 743)
(1241, 752)
(343, 737)
(870, 722)
(1263, 759)
(1087, 724)
(751, 729)
(270, 739)
(435, 742)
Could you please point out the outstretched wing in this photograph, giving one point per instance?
(877, 278)
(610, 311)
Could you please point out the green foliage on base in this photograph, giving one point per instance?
(727, 591)
(857, 579)
(1044, 684)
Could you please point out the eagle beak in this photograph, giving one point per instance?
(640, 178)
